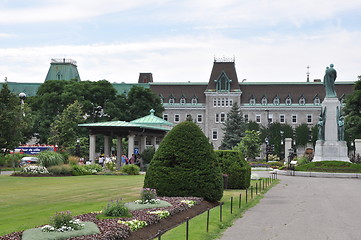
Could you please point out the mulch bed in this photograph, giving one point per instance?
(111, 230)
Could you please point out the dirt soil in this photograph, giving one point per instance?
(151, 231)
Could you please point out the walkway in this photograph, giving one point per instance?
(303, 208)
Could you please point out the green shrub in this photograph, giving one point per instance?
(185, 165)
(130, 169)
(61, 170)
(238, 170)
(93, 168)
(49, 158)
(147, 155)
(12, 160)
(73, 160)
(116, 209)
(80, 170)
(61, 219)
(302, 160)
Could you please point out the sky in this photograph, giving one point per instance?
(178, 40)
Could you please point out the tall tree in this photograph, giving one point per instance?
(234, 128)
(11, 120)
(64, 130)
(250, 144)
(352, 111)
(303, 134)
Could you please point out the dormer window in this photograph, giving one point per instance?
(302, 101)
(264, 101)
(194, 101)
(288, 101)
(171, 101)
(317, 101)
(223, 83)
(182, 101)
(252, 101)
(276, 101)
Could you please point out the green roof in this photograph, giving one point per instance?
(29, 89)
(152, 120)
(62, 69)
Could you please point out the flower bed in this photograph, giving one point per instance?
(111, 229)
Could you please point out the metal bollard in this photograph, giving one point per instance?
(220, 212)
(240, 200)
(207, 220)
(231, 205)
(187, 228)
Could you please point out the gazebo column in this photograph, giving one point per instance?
(119, 151)
(143, 142)
(154, 141)
(107, 145)
(92, 144)
(130, 144)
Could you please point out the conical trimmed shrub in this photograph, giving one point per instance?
(185, 165)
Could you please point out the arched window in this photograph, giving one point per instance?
(223, 83)
(194, 100)
(264, 101)
(171, 101)
(276, 101)
(302, 101)
(252, 101)
(288, 101)
(182, 101)
(317, 101)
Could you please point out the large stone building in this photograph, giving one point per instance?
(209, 102)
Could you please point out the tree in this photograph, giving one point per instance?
(234, 128)
(64, 130)
(185, 165)
(140, 101)
(302, 133)
(249, 146)
(11, 120)
(352, 111)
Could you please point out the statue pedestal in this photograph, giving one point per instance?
(331, 149)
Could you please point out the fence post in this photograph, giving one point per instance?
(246, 195)
(231, 205)
(187, 228)
(207, 219)
(159, 234)
(240, 200)
(251, 192)
(256, 188)
(220, 212)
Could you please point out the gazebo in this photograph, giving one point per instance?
(141, 133)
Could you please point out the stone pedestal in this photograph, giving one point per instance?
(331, 149)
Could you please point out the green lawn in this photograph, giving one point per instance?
(26, 202)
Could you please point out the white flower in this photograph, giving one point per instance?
(190, 203)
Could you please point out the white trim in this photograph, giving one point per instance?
(214, 133)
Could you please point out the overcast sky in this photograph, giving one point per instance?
(177, 40)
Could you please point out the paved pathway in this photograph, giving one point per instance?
(303, 208)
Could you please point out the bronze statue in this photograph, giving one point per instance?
(329, 82)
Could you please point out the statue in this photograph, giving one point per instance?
(321, 125)
(329, 82)
(341, 129)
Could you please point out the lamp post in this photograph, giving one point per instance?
(77, 148)
(282, 146)
(267, 146)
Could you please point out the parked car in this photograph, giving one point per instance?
(29, 160)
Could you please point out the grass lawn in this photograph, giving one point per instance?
(197, 225)
(27, 202)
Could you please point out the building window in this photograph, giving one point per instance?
(222, 102)
(294, 119)
(230, 102)
(194, 101)
(245, 117)
(252, 101)
(161, 100)
(276, 101)
(270, 118)
(223, 117)
(165, 117)
(171, 101)
(309, 118)
(219, 102)
(217, 118)
(264, 101)
(282, 118)
(288, 101)
(317, 101)
(214, 102)
(199, 118)
(302, 101)
(258, 118)
(176, 117)
(226, 102)
(182, 101)
(214, 134)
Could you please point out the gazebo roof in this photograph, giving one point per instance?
(152, 120)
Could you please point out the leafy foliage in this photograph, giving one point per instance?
(130, 169)
(49, 158)
(185, 165)
(250, 144)
(234, 128)
(147, 154)
(302, 134)
(352, 112)
(116, 209)
(238, 170)
(61, 170)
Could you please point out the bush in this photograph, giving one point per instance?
(185, 165)
(80, 170)
(61, 170)
(147, 155)
(73, 160)
(48, 158)
(93, 168)
(238, 170)
(302, 160)
(130, 169)
(12, 160)
(116, 209)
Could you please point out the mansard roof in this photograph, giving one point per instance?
(220, 68)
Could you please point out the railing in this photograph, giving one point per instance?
(63, 60)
